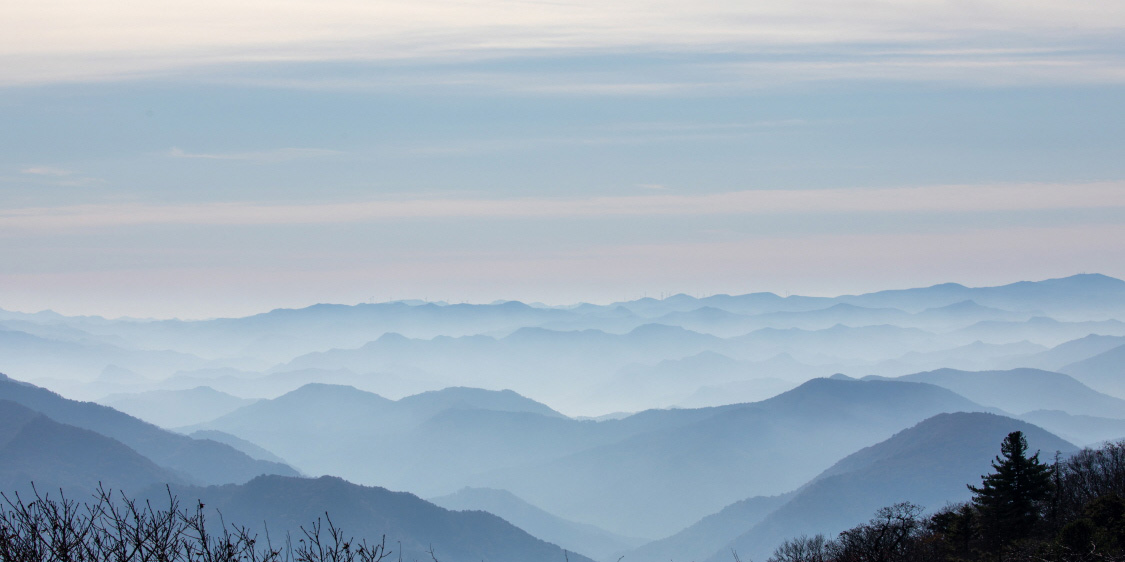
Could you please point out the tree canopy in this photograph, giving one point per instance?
(1011, 499)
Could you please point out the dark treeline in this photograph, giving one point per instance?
(1070, 510)
(119, 529)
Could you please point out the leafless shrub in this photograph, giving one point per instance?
(120, 529)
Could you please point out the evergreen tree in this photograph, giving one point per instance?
(1012, 498)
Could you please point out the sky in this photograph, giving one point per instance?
(201, 159)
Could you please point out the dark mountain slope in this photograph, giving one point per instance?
(928, 464)
(201, 460)
(35, 448)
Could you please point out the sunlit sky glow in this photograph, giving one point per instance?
(222, 158)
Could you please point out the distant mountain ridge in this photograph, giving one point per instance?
(1104, 371)
(1086, 292)
(564, 352)
(701, 539)
(175, 408)
(1062, 356)
(402, 396)
(1018, 391)
(575, 537)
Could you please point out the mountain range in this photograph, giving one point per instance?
(198, 460)
(674, 428)
(695, 458)
(39, 454)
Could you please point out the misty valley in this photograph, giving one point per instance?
(685, 428)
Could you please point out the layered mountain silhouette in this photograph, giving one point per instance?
(1078, 429)
(35, 356)
(1064, 354)
(763, 448)
(695, 458)
(566, 353)
(413, 527)
(1104, 371)
(52, 456)
(1039, 329)
(202, 461)
(34, 449)
(732, 443)
(250, 449)
(1091, 294)
(928, 464)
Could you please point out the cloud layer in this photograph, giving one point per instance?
(931, 199)
(72, 40)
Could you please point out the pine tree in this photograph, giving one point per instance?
(1012, 498)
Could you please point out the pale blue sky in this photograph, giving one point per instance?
(206, 159)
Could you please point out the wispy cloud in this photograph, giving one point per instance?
(628, 133)
(50, 176)
(699, 71)
(277, 155)
(933, 199)
(46, 171)
(986, 67)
